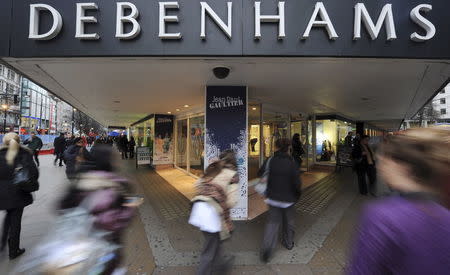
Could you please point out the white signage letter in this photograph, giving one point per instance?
(34, 22)
(269, 19)
(386, 17)
(423, 22)
(163, 18)
(82, 19)
(131, 18)
(226, 28)
(323, 22)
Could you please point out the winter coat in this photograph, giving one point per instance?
(34, 143)
(10, 195)
(72, 156)
(59, 144)
(284, 179)
(360, 160)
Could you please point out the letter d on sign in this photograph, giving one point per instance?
(34, 22)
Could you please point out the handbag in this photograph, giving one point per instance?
(261, 186)
(22, 179)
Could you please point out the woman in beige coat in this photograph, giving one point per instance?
(217, 193)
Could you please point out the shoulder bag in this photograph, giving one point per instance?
(22, 178)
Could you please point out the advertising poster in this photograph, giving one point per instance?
(143, 156)
(226, 128)
(163, 148)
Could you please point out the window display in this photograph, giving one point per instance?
(197, 145)
(329, 134)
(181, 146)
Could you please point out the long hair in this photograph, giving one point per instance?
(226, 159)
(12, 142)
(426, 153)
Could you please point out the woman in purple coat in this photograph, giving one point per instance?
(409, 233)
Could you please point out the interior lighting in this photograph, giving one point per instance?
(169, 113)
(254, 108)
(4, 106)
(186, 106)
(178, 110)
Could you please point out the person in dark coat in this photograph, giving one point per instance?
(297, 150)
(131, 146)
(283, 191)
(348, 141)
(35, 145)
(60, 145)
(123, 145)
(74, 156)
(364, 164)
(13, 199)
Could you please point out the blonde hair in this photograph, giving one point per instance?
(12, 142)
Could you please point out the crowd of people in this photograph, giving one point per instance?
(393, 233)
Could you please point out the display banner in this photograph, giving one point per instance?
(226, 128)
(143, 156)
(163, 147)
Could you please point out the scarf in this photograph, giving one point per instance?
(208, 188)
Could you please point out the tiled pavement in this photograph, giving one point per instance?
(161, 242)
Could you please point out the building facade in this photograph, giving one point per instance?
(441, 104)
(10, 83)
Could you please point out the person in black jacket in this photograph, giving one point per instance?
(74, 155)
(131, 146)
(60, 145)
(283, 191)
(122, 143)
(297, 149)
(12, 198)
(364, 163)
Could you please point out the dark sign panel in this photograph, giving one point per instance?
(360, 28)
(226, 128)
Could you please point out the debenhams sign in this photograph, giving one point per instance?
(127, 14)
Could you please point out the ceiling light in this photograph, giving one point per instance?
(178, 110)
(169, 113)
(186, 106)
(254, 108)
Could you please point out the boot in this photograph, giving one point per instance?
(16, 253)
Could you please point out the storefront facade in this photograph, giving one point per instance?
(319, 69)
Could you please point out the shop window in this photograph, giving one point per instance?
(181, 146)
(196, 145)
(329, 135)
(275, 126)
(254, 140)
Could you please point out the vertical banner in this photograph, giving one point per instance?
(163, 148)
(226, 128)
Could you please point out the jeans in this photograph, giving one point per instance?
(279, 217)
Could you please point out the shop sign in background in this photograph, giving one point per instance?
(163, 149)
(226, 128)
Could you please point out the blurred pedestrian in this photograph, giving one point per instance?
(35, 144)
(122, 143)
(113, 205)
(283, 191)
(13, 198)
(131, 146)
(74, 155)
(348, 141)
(217, 193)
(408, 233)
(364, 164)
(297, 149)
(59, 145)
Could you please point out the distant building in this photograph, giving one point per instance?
(64, 117)
(441, 104)
(38, 109)
(10, 83)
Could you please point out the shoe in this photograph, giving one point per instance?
(288, 247)
(16, 254)
(265, 255)
(61, 165)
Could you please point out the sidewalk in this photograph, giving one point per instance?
(160, 241)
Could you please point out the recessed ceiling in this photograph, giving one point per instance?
(119, 92)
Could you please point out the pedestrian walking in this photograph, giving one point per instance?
(112, 203)
(297, 149)
(408, 233)
(217, 193)
(15, 159)
(131, 146)
(59, 145)
(74, 155)
(348, 141)
(364, 164)
(283, 191)
(122, 143)
(35, 144)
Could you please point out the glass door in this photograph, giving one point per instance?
(254, 140)
(275, 126)
(196, 145)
